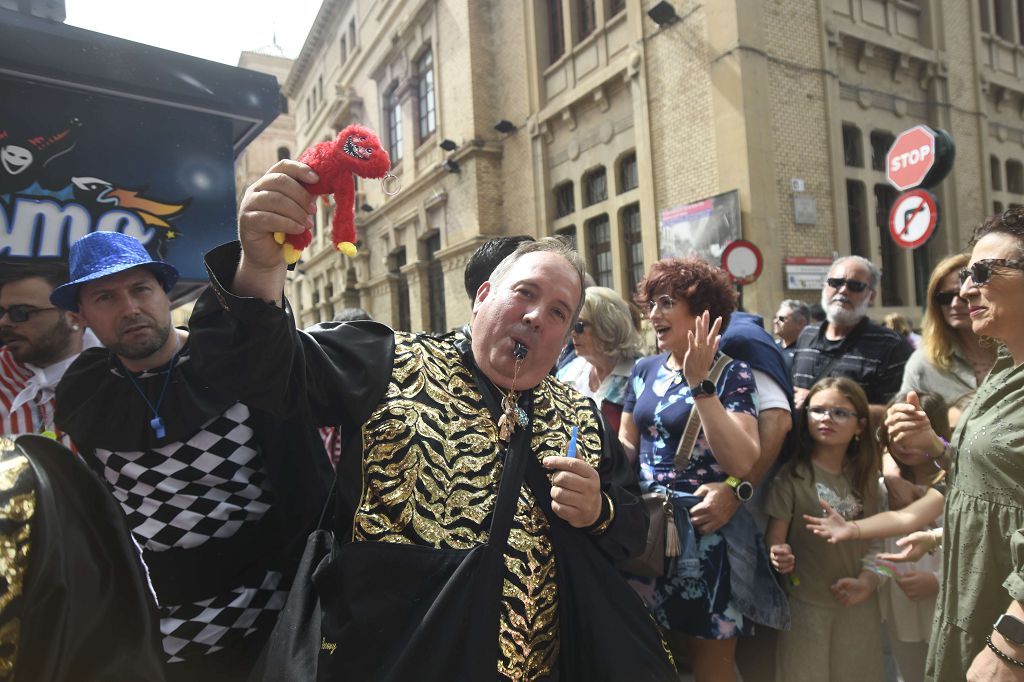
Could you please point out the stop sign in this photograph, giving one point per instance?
(910, 158)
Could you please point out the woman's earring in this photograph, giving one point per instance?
(74, 327)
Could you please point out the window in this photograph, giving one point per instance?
(1020, 22)
(425, 95)
(615, 6)
(393, 116)
(997, 207)
(986, 19)
(634, 245)
(565, 199)
(1004, 19)
(881, 142)
(344, 49)
(595, 186)
(853, 155)
(283, 153)
(893, 262)
(628, 173)
(856, 210)
(586, 19)
(996, 169)
(1014, 177)
(283, 104)
(556, 31)
(352, 33)
(435, 284)
(396, 261)
(599, 239)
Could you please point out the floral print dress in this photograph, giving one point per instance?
(660, 401)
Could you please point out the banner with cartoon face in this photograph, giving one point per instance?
(74, 162)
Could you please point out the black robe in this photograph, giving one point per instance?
(340, 373)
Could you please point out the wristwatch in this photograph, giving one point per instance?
(743, 490)
(1010, 627)
(703, 389)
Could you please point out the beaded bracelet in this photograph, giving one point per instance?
(1000, 654)
(937, 460)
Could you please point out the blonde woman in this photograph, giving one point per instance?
(607, 344)
(952, 360)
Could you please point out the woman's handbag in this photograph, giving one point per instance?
(662, 546)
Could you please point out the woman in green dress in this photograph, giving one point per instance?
(978, 631)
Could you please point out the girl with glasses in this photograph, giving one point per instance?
(908, 600)
(836, 624)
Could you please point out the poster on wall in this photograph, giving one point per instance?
(703, 228)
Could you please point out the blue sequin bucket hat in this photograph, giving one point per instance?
(99, 254)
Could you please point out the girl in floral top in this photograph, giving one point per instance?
(689, 302)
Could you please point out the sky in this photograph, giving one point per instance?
(217, 30)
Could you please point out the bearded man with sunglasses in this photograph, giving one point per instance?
(39, 342)
(848, 343)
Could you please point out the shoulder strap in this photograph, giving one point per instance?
(689, 439)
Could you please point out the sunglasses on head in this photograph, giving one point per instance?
(945, 298)
(580, 326)
(853, 285)
(980, 271)
(20, 312)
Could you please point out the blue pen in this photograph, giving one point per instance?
(572, 442)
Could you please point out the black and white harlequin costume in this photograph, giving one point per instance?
(220, 505)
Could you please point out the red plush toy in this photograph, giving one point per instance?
(356, 150)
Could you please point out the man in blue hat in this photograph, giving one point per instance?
(219, 496)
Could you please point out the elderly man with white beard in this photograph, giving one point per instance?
(849, 344)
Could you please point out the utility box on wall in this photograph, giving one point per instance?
(100, 133)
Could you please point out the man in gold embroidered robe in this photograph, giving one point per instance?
(419, 480)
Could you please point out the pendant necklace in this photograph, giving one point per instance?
(511, 414)
(156, 423)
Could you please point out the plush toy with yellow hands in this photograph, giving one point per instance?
(356, 151)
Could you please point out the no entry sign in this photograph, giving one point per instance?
(912, 218)
(910, 158)
(742, 261)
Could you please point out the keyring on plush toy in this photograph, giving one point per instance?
(394, 180)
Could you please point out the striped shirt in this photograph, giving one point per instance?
(28, 418)
(872, 355)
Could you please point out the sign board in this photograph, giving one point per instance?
(912, 218)
(910, 158)
(132, 139)
(742, 261)
(703, 228)
(806, 273)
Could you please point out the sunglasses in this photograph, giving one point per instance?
(945, 298)
(981, 271)
(781, 319)
(19, 312)
(853, 285)
(664, 302)
(580, 326)
(838, 414)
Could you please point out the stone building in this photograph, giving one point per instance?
(599, 119)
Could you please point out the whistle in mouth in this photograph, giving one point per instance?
(519, 350)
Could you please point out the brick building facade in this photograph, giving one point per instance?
(611, 119)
